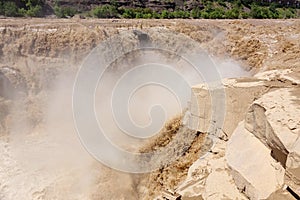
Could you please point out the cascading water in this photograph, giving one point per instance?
(42, 156)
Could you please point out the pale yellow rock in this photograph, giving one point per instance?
(292, 175)
(286, 74)
(219, 185)
(261, 146)
(254, 170)
(205, 107)
(209, 177)
(293, 160)
(274, 120)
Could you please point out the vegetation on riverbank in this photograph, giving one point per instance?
(221, 9)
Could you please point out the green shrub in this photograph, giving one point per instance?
(34, 11)
(164, 14)
(105, 11)
(222, 3)
(128, 13)
(10, 9)
(22, 12)
(32, 3)
(259, 12)
(245, 15)
(147, 11)
(196, 13)
(232, 14)
(204, 15)
(32, 8)
(147, 16)
(138, 15)
(171, 15)
(1, 8)
(156, 15)
(218, 13)
(64, 12)
(180, 14)
(247, 3)
(290, 13)
(230, 9)
(176, 14)
(238, 3)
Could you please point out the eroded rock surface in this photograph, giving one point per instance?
(41, 49)
(276, 123)
(262, 155)
(254, 170)
(239, 94)
(209, 177)
(263, 152)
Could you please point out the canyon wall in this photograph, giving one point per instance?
(39, 59)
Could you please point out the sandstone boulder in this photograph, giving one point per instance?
(274, 120)
(270, 133)
(239, 94)
(254, 170)
(209, 178)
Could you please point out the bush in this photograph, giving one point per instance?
(259, 12)
(213, 10)
(1, 8)
(128, 13)
(218, 13)
(138, 15)
(232, 14)
(164, 14)
(32, 8)
(171, 15)
(245, 15)
(196, 13)
(147, 16)
(105, 11)
(145, 13)
(247, 3)
(221, 3)
(32, 3)
(238, 3)
(64, 12)
(180, 14)
(10, 9)
(34, 11)
(156, 15)
(204, 15)
(288, 13)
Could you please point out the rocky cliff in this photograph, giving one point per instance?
(260, 158)
(254, 155)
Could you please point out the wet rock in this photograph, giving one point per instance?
(11, 82)
(144, 39)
